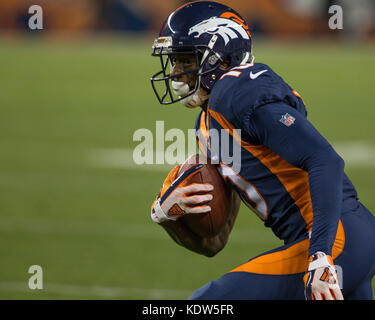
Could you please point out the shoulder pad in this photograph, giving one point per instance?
(247, 87)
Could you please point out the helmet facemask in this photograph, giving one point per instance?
(173, 90)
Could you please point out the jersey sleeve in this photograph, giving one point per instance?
(289, 134)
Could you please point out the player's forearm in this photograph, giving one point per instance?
(206, 246)
(301, 145)
(325, 179)
(191, 241)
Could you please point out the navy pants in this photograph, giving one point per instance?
(277, 274)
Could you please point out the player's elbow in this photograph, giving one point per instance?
(212, 246)
(335, 160)
(327, 158)
(209, 254)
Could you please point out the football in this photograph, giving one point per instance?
(211, 223)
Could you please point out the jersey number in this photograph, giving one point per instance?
(249, 194)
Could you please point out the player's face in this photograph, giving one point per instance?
(183, 63)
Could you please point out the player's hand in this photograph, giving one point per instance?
(175, 199)
(320, 280)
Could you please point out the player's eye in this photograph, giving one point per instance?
(183, 63)
(188, 62)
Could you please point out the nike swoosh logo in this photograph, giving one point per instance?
(256, 75)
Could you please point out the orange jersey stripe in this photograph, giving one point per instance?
(203, 127)
(294, 180)
(291, 260)
(204, 130)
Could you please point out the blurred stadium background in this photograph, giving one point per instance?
(73, 94)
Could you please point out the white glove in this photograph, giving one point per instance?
(320, 280)
(175, 199)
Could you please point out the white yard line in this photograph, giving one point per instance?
(105, 229)
(121, 159)
(86, 291)
(355, 154)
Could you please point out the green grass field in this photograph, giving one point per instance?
(88, 225)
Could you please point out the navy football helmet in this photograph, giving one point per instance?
(210, 31)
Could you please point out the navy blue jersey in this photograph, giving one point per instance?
(289, 175)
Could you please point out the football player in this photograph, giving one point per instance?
(290, 176)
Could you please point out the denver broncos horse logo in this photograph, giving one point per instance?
(223, 27)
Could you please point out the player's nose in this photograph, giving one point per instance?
(176, 69)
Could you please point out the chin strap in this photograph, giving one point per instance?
(197, 99)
